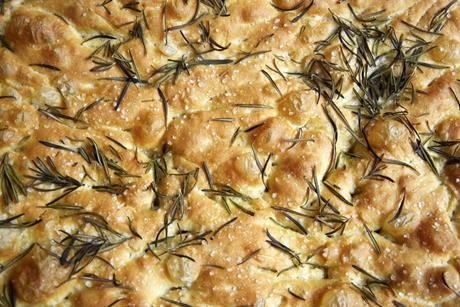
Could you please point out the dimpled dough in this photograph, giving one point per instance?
(229, 153)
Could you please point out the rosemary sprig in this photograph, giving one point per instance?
(290, 211)
(335, 136)
(249, 256)
(219, 7)
(272, 82)
(419, 29)
(214, 234)
(287, 227)
(252, 128)
(366, 294)
(340, 229)
(330, 218)
(195, 18)
(105, 51)
(372, 278)
(421, 151)
(225, 191)
(281, 247)
(88, 107)
(295, 8)
(448, 150)
(90, 151)
(103, 4)
(99, 36)
(276, 69)
(79, 250)
(400, 163)
(440, 18)
(99, 224)
(297, 296)
(262, 168)
(175, 209)
(62, 206)
(212, 62)
(238, 206)
(247, 55)
(47, 66)
(319, 197)
(137, 32)
(164, 103)
(133, 230)
(444, 281)
(376, 166)
(223, 119)
(157, 164)
(46, 173)
(56, 113)
(79, 150)
(144, 17)
(185, 238)
(8, 297)
(101, 159)
(264, 39)
(214, 266)
(133, 6)
(116, 142)
(295, 222)
(398, 304)
(10, 182)
(106, 282)
(8, 222)
(337, 194)
(303, 12)
(131, 75)
(208, 174)
(182, 256)
(174, 68)
(317, 77)
(122, 95)
(207, 38)
(234, 136)
(400, 208)
(455, 96)
(253, 106)
(116, 189)
(10, 263)
(380, 76)
(316, 186)
(372, 239)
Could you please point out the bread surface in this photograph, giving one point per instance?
(229, 153)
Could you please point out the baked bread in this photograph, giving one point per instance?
(229, 153)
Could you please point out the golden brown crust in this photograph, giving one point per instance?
(230, 153)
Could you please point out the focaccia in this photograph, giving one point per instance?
(229, 153)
